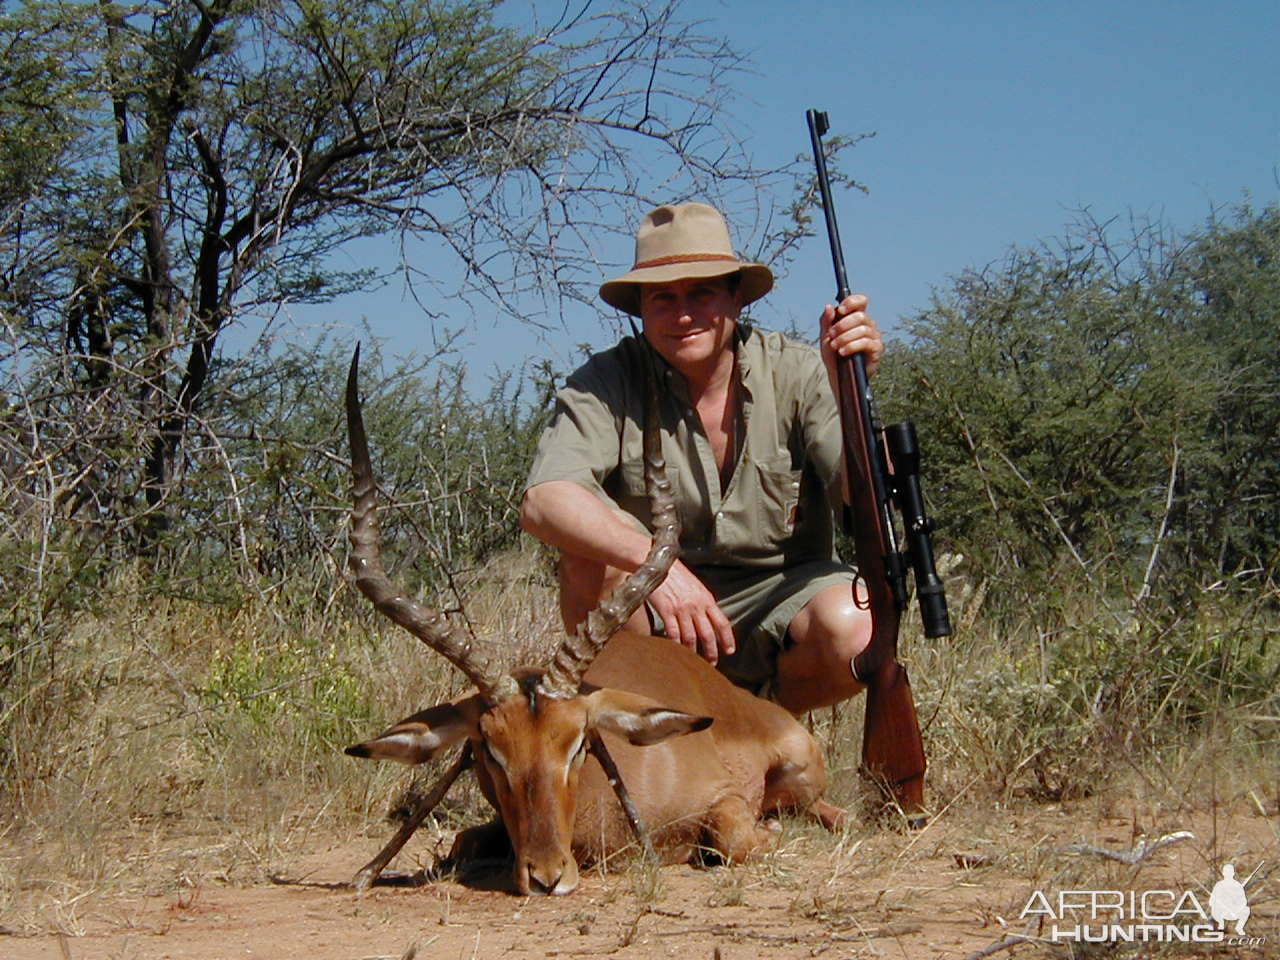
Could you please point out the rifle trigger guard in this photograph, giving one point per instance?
(861, 597)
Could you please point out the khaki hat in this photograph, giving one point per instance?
(678, 241)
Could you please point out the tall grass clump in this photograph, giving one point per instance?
(191, 682)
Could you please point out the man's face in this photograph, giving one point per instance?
(690, 322)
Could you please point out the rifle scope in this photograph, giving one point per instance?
(904, 451)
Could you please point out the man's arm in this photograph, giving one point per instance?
(565, 506)
(570, 517)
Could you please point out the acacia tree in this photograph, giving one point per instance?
(1232, 493)
(1107, 406)
(185, 162)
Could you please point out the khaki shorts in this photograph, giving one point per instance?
(761, 604)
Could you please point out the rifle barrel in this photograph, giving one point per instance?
(868, 459)
(818, 125)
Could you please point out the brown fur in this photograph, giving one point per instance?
(694, 786)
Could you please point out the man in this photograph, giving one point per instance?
(752, 443)
(1228, 901)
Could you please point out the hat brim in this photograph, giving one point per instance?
(623, 293)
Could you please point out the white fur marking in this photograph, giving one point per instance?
(409, 741)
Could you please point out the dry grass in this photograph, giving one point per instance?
(171, 746)
(170, 743)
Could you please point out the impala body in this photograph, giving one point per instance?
(702, 760)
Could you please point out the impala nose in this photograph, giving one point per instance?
(543, 882)
(550, 880)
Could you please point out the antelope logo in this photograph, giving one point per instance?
(715, 759)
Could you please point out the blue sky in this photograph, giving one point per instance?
(994, 123)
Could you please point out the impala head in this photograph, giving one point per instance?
(530, 750)
(530, 729)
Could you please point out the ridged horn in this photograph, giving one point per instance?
(487, 672)
(576, 653)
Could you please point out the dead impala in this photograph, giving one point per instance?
(715, 759)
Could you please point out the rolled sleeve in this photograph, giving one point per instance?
(582, 442)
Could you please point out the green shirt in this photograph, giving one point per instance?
(777, 508)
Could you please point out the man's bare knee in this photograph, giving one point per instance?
(833, 624)
(827, 634)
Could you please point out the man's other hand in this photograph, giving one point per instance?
(691, 616)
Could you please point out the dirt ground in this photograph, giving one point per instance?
(952, 890)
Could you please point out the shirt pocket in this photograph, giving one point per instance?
(777, 500)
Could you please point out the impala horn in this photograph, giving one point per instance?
(576, 653)
(488, 672)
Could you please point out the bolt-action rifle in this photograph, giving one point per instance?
(882, 467)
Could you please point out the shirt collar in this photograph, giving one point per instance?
(745, 345)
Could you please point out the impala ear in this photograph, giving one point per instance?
(641, 721)
(418, 738)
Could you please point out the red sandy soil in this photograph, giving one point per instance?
(949, 891)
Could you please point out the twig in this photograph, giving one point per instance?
(1007, 943)
(629, 935)
(1164, 527)
(1048, 513)
(1137, 854)
(737, 932)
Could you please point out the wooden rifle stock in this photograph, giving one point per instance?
(892, 749)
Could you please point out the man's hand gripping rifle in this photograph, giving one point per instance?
(882, 467)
